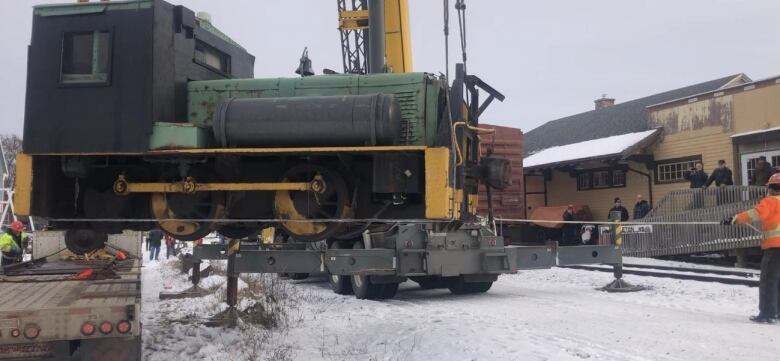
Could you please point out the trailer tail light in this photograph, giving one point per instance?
(15, 332)
(106, 327)
(123, 326)
(88, 328)
(31, 331)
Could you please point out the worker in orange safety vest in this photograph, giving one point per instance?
(767, 212)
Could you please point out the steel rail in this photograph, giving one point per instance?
(745, 274)
(679, 276)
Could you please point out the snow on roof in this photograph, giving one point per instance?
(595, 148)
(755, 132)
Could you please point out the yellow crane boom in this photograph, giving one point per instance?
(354, 25)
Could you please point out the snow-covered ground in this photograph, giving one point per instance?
(536, 315)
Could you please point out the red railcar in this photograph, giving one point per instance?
(506, 143)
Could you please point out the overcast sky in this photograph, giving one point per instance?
(551, 58)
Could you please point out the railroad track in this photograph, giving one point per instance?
(743, 278)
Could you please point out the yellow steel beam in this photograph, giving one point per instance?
(353, 20)
(123, 187)
(398, 45)
(438, 191)
(23, 186)
(309, 150)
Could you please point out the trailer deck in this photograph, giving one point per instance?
(47, 312)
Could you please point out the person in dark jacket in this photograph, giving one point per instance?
(641, 208)
(762, 172)
(154, 237)
(619, 208)
(696, 176)
(570, 231)
(722, 176)
(698, 180)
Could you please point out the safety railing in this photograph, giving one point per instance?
(675, 229)
(682, 200)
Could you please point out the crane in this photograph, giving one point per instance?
(393, 52)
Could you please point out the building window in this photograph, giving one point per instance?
(85, 57)
(211, 57)
(774, 161)
(673, 170)
(618, 178)
(601, 179)
(583, 181)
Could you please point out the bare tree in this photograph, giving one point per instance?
(12, 145)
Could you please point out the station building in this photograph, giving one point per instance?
(643, 146)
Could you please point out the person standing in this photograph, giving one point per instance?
(10, 243)
(641, 208)
(698, 180)
(170, 246)
(762, 172)
(722, 176)
(618, 207)
(768, 213)
(569, 231)
(154, 237)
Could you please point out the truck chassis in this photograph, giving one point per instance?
(465, 260)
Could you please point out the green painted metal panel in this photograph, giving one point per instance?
(178, 136)
(205, 25)
(89, 8)
(417, 93)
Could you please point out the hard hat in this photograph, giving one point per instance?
(774, 179)
(17, 226)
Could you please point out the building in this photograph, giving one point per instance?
(643, 146)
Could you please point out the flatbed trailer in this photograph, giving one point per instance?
(47, 313)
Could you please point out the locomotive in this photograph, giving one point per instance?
(142, 114)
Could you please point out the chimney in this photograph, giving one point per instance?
(604, 102)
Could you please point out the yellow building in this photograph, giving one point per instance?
(644, 146)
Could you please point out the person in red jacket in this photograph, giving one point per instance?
(170, 246)
(768, 213)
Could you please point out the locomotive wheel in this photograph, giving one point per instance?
(196, 206)
(331, 203)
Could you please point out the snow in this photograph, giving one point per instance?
(755, 132)
(588, 149)
(552, 314)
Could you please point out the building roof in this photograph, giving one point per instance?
(755, 132)
(728, 89)
(618, 119)
(616, 146)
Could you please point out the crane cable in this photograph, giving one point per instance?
(460, 5)
(447, 39)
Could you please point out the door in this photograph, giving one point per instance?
(749, 160)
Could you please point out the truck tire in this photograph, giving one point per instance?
(430, 282)
(389, 290)
(299, 276)
(459, 287)
(364, 289)
(340, 284)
